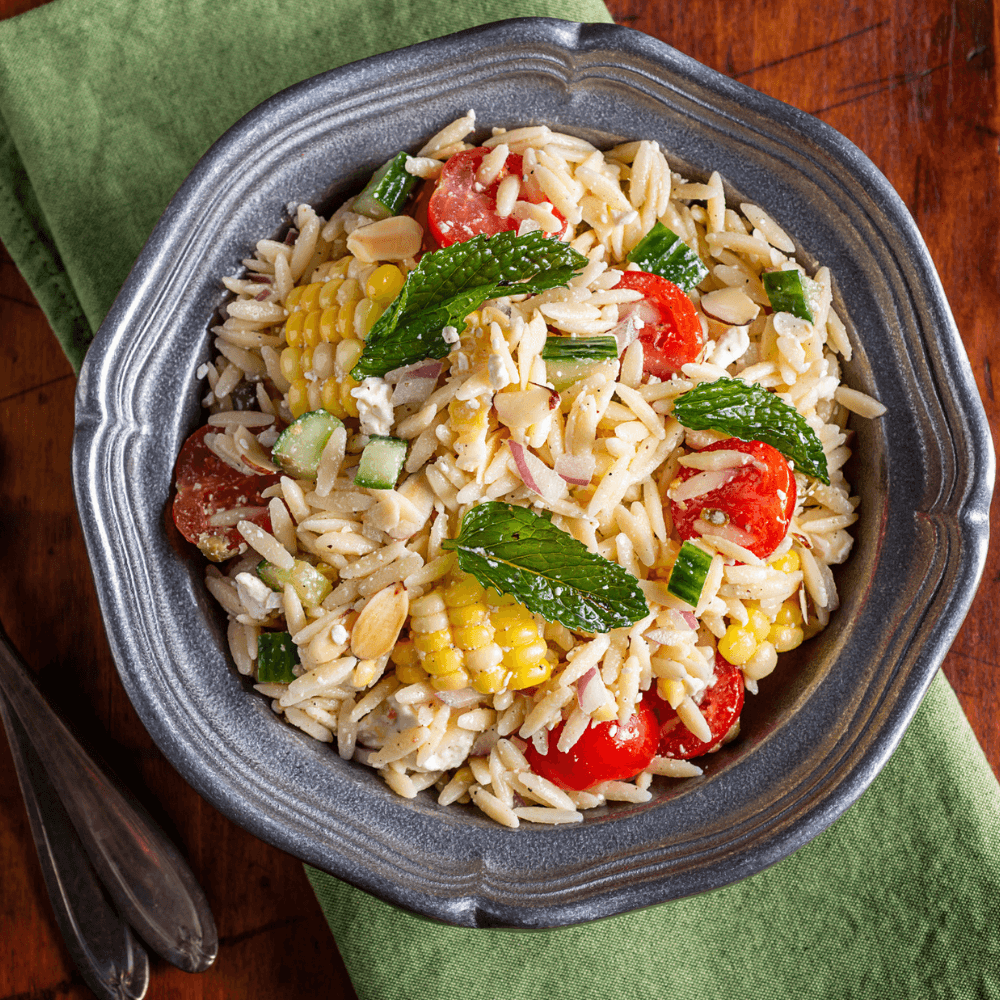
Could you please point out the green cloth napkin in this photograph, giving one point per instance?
(105, 105)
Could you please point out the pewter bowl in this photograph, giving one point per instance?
(824, 723)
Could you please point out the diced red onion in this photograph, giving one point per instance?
(421, 369)
(577, 470)
(583, 683)
(536, 475)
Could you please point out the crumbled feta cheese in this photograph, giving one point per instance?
(498, 372)
(450, 335)
(339, 634)
(374, 406)
(730, 347)
(269, 436)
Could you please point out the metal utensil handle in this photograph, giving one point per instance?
(140, 868)
(100, 942)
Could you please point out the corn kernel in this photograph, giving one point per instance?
(530, 675)
(786, 637)
(292, 299)
(298, 397)
(671, 690)
(763, 661)
(511, 615)
(788, 563)
(349, 403)
(431, 642)
(463, 592)
(293, 329)
(404, 653)
(345, 318)
(759, 624)
(328, 324)
(518, 634)
(789, 614)
(472, 637)
(330, 397)
(310, 293)
(737, 645)
(471, 614)
(490, 681)
(328, 295)
(384, 283)
(498, 600)
(366, 313)
(290, 363)
(310, 328)
(410, 673)
(442, 661)
(348, 352)
(454, 681)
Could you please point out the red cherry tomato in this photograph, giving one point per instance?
(206, 486)
(605, 752)
(721, 707)
(671, 333)
(753, 507)
(461, 208)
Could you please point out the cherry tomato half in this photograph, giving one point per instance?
(671, 332)
(753, 507)
(605, 752)
(461, 207)
(721, 707)
(206, 486)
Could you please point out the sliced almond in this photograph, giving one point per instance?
(378, 625)
(730, 306)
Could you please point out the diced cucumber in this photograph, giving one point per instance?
(386, 193)
(381, 463)
(277, 656)
(309, 583)
(300, 444)
(579, 348)
(687, 578)
(786, 291)
(562, 374)
(661, 251)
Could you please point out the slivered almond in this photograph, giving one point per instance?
(378, 625)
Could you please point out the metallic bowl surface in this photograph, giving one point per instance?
(828, 719)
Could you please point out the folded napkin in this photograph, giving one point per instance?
(105, 105)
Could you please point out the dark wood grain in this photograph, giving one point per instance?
(912, 84)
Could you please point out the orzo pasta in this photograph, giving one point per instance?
(521, 468)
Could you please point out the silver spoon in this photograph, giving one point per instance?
(141, 870)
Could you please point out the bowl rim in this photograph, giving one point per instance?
(484, 887)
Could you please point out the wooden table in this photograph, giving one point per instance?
(912, 84)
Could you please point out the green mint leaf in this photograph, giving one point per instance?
(661, 251)
(443, 284)
(421, 338)
(751, 413)
(523, 554)
(787, 293)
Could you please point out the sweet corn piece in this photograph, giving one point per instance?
(786, 637)
(738, 644)
(671, 690)
(410, 673)
(439, 662)
(788, 563)
(758, 623)
(789, 614)
(384, 283)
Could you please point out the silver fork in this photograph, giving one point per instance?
(94, 843)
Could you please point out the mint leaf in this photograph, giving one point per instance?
(661, 251)
(448, 284)
(751, 413)
(523, 554)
